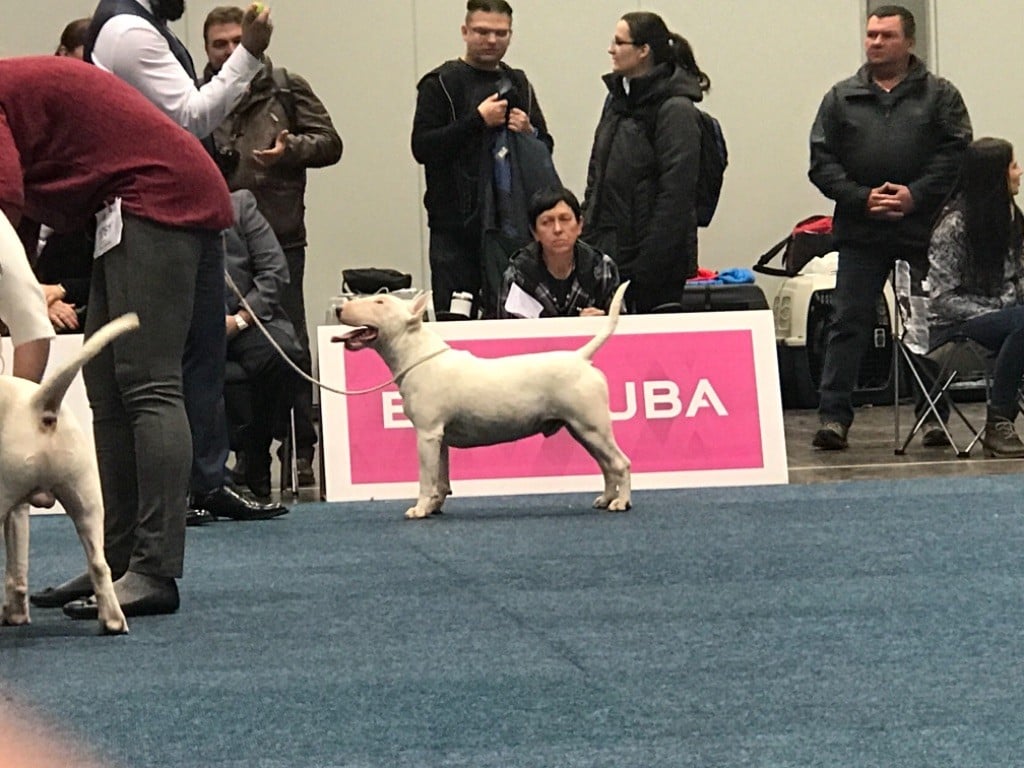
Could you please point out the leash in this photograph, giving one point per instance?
(347, 392)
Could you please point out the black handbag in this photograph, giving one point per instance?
(374, 280)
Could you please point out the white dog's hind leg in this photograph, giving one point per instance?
(429, 447)
(83, 503)
(16, 533)
(600, 443)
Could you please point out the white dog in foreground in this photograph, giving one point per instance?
(456, 399)
(44, 457)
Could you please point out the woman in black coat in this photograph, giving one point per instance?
(639, 206)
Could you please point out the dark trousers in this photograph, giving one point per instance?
(861, 277)
(143, 445)
(1001, 331)
(293, 303)
(258, 409)
(454, 266)
(203, 371)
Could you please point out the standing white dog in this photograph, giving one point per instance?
(44, 458)
(456, 399)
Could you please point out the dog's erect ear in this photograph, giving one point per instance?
(419, 304)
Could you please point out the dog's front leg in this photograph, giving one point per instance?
(429, 447)
(444, 485)
(16, 532)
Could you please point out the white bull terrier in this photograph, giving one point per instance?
(456, 399)
(44, 457)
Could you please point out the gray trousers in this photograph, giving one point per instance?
(143, 443)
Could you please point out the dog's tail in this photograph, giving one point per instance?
(588, 350)
(53, 388)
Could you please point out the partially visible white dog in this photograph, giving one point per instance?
(44, 458)
(456, 399)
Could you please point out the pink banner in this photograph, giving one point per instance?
(682, 402)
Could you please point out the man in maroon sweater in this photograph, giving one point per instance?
(76, 142)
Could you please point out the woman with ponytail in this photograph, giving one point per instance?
(640, 205)
(976, 279)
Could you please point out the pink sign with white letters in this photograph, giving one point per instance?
(685, 404)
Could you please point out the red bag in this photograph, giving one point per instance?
(810, 239)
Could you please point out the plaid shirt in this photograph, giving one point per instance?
(594, 280)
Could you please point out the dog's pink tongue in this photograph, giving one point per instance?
(348, 332)
(357, 338)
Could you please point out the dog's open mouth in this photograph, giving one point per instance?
(357, 337)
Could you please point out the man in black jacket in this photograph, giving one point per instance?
(886, 146)
(462, 110)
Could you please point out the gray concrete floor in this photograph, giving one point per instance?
(871, 454)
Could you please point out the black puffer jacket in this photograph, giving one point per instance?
(639, 205)
(862, 137)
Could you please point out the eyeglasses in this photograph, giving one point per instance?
(500, 34)
(619, 43)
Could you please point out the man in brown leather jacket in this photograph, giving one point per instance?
(278, 130)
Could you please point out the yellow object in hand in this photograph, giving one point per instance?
(258, 8)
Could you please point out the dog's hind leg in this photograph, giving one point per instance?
(615, 465)
(83, 503)
(16, 533)
(429, 447)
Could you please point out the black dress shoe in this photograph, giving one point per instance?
(148, 596)
(224, 502)
(55, 597)
(194, 517)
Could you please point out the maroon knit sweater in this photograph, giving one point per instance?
(73, 137)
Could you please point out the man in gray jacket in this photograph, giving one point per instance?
(886, 146)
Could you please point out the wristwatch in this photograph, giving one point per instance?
(240, 322)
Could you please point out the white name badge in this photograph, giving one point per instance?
(109, 226)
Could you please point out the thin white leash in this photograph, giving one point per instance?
(255, 318)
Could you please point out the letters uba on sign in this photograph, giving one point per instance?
(647, 399)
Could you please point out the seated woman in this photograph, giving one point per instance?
(976, 279)
(557, 275)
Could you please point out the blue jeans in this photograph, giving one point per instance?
(1001, 331)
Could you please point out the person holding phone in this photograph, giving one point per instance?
(463, 109)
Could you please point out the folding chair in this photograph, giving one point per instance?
(936, 372)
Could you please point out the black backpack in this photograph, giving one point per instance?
(714, 158)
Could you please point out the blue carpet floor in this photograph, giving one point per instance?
(852, 624)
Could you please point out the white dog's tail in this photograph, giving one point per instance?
(53, 388)
(588, 350)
